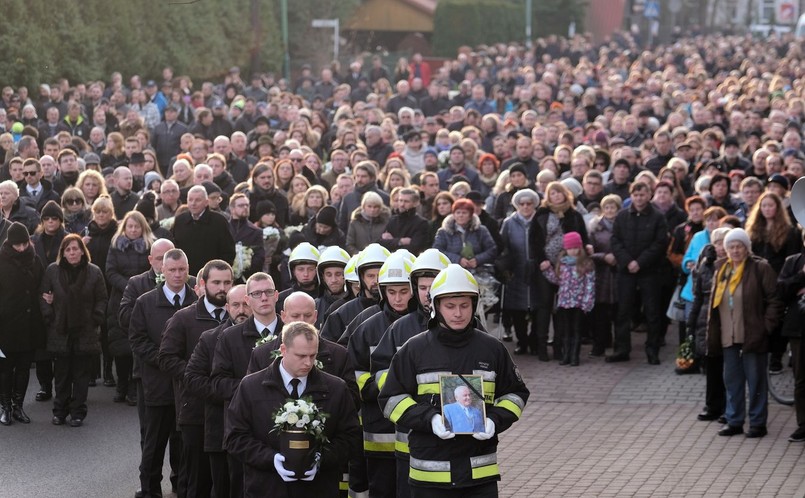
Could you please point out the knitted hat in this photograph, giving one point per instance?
(211, 188)
(150, 178)
(573, 185)
(738, 235)
(475, 197)
(52, 209)
(326, 216)
(572, 240)
(18, 234)
(263, 208)
(518, 168)
(147, 206)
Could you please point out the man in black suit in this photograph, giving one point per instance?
(180, 337)
(197, 382)
(234, 348)
(203, 234)
(151, 311)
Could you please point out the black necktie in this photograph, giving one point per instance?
(218, 312)
(295, 388)
(33, 193)
(265, 332)
(177, 301)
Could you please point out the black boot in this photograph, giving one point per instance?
(5, 411)
(575, 350)
(17, 412)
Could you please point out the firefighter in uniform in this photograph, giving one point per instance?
(330, 269)
(369, 262)
(302, 266)
(423, 272)
(378, 432)
(443, 464)
(352, 286)
(371, 310)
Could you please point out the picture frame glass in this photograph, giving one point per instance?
(463, 408)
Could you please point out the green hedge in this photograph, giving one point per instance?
(43, 40)
(474, 22)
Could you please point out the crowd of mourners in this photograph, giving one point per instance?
(608, 188)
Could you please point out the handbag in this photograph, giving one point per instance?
(676, 308)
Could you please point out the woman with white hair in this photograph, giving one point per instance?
(519, 294)
(745, 310)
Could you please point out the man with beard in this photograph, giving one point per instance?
(180, 337)
(302, 264)
(369, 262)
(423, 272)
(330, 269)
(234, 348)
(123, 198)
(151, 311)
(406, 229)
(365, 175)
(197, 383)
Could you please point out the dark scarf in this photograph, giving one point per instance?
(24, 260)
(454, 338)
(72, 279)
(124, 243)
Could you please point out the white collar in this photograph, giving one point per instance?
(287, 377)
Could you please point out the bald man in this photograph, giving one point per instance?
(300, 307)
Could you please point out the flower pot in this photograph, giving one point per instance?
(298, 449)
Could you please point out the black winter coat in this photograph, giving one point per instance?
(48, 194)
(151, 312)
(572, 221)
(92, 296)
(21, 326)
(247, 233)
(47, 246)
(408, 224)
(204, 239)
(179, 339)
(121, 265)
(248, 437)
(99, 243)
(639, 236)
(197, 382)
(232, 354)
(790, 281)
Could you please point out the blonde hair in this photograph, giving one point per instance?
(148, 236)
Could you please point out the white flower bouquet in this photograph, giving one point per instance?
(301, 415)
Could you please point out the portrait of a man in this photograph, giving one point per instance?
(462, 416)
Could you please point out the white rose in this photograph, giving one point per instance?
(315, 423)
(300, 424)
(292, 418)
(288, 406)
(305, 419)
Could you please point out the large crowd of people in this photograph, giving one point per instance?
(153, 233)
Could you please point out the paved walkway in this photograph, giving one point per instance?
(630, 429)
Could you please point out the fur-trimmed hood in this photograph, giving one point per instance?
(449, 224)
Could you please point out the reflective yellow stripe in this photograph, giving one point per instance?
(398, 410)
(485, 471)
(489, 392)
(381, 378)
(511, 406)
(343, 486)
(401, 447)
(426, 476)
(362, 378)
(379, 447)
(428, 388)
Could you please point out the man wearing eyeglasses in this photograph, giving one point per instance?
(593, 185)
(33, 188)
(234, 349)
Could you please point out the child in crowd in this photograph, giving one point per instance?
(575, 276)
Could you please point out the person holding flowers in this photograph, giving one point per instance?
(292, 393)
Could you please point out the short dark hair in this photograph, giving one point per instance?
(215, 264)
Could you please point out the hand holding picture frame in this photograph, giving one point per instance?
(463, 409)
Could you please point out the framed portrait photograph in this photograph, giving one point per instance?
(463, 409)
